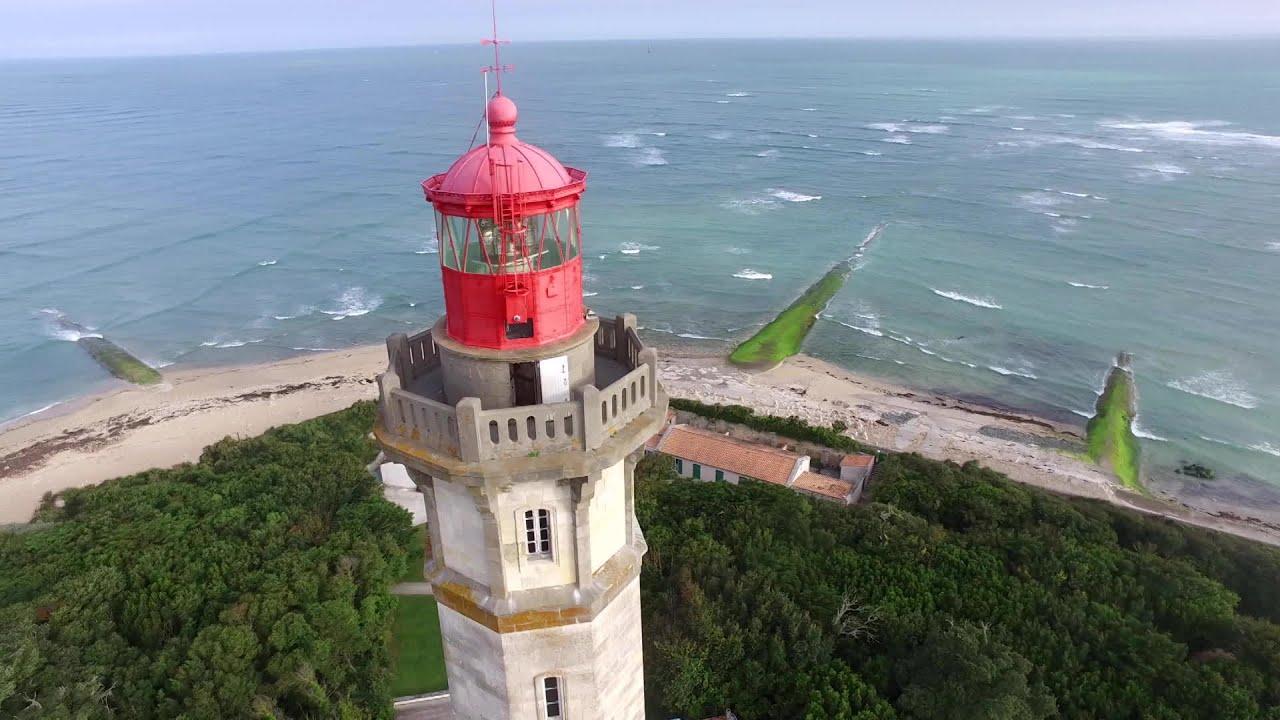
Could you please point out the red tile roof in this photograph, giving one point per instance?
(719, 451)
(858, 460)
(823, 485)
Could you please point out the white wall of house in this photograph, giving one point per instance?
(684, 468)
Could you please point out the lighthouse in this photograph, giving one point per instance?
(520, 416)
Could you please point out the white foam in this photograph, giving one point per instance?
(1217, 385)
(1166, 169)
(635, 248)
(1273, 246)
(354, 302)
(33, 413)
(1015, 373)
(723, 102)
(911, 128)
(979, 301)
(1185, 131)
(752, 205)
(810, 109)
(693, 336)
(1041, 199)
(267, 263)
(1143, 432)
(870, 153)
(58, 327)
(871, 328)
(738, 94)
(811, 135)
(651, 156)
(637, 287)
(1073, 283)
(749, 274)
(313, 349)
(1051, 214)
(720, 135)
(770, 153)
(590, 294)
(899, 139)
(430, 247)
(794, 197)
(622, 140)
(1265, 447)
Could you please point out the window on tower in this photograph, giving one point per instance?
(537, 533)
(530, 244)
(553, 697)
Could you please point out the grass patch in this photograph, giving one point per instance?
(782, 337)
(414, 556)
(119, 362)
(417, 654)
(1111, 441)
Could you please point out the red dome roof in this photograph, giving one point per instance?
(518, 167)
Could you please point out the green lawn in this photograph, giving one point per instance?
(782, 338)
(417, 656)
(1111, 438)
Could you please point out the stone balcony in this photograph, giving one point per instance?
(416, 421)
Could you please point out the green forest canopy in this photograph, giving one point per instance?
(254, 584)
(955, 594)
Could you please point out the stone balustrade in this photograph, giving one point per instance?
(468, 432)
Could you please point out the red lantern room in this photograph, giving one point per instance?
(510, 240)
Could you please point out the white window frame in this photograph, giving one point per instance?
(537, 528)
(540, 689)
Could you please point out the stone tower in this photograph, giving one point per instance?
(520, 416)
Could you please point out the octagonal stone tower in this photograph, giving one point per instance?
(521, 416)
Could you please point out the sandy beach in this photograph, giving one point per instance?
(133, 429)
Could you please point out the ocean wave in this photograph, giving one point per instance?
(313, 349)
(809, 109)
(635, 248)
(651, 156)
(723, 102)
(622, 140)
(1042, 199)
(59, 327)
(1267, 448)
(267, 263)
(738, 94)
(873, 330)
(590, 294)
(1144, 433)
(899, 139)
(1014, 373)
(911, 128)
(979, 301)
(720, 135)
(1217, 385)
(695, 336)
(1065, 225)
(1182, 130)
(33, 413)
(1273, 246)
(790, 196)
(1073, 283)
(869, 153)
(354, 302)
(770, 153)
(752, 205)
(749, 274)
(430, 247)
(1166, 169)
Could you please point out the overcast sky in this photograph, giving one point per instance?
(131, 27)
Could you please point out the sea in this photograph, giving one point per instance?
(1046, 205)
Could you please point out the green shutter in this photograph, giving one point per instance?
(697, 471)
(719, 475)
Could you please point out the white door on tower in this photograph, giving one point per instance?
(553, 374)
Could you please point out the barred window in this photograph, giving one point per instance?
(553, 698)
(537, 532)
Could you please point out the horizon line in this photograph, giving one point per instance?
(1265, 35)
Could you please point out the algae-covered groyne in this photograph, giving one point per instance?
(782, 337)
(113, 358)
(1111, 441)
